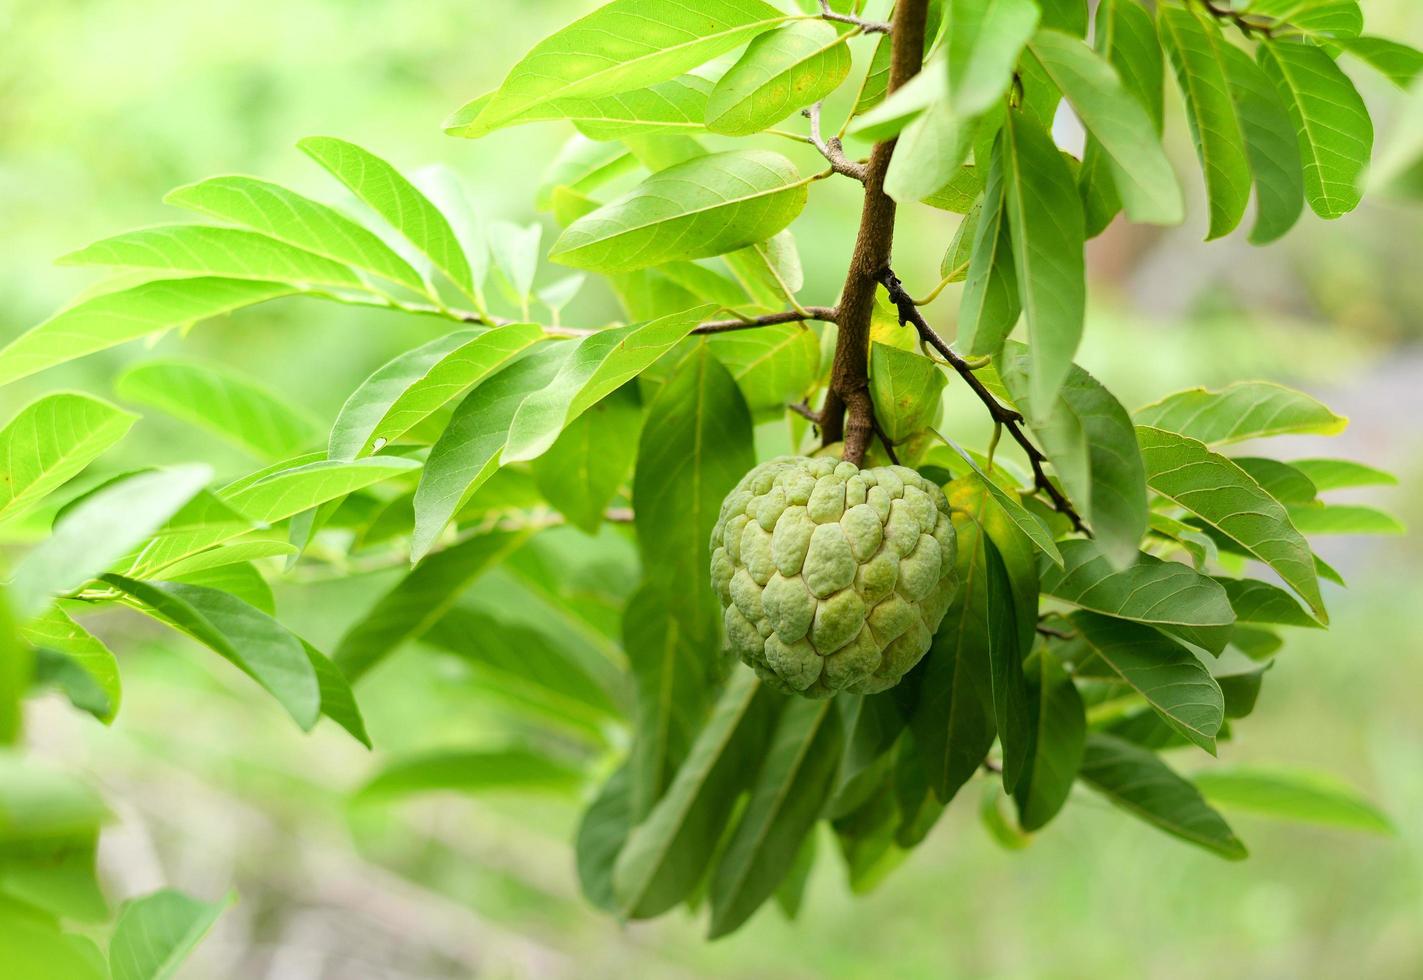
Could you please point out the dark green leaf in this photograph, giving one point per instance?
(1059, 725)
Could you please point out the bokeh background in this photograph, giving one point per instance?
(105, 106)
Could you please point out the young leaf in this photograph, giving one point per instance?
(1195, 45)
(1244, 410)
(211, 251)
(580, 167)
(582, 471)
(396, 200)
(1059, 725)
(1168, 675)
(226, 403)
(57, 632)
(1046, 224)
(709, 205)
(289, 217)
(600, 364)
(1335, 133)
(157, 932)
(293, 489)
(1089, 439)
(109, 319)
(247, 638)
(668, 108)
(1285, 795)
(419, 382)
(1140, 783)
(1230, 501)
(50, 441)
(1120, 124)
(781, 71)
(791, 789)
(667, 854)
(1166, 594)
(99, 531)
(469, 771)
(622, 46)
(906, 388)
(420, 599)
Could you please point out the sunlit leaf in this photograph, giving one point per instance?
(1245, 410)
(1289, 795)
(51, 440)
(469, 771)
(781, 71)
(157, 932)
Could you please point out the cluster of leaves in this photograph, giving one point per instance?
(574, 474)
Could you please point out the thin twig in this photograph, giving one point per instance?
(1055, 634)
(1001, 414)
(884, 439)
(825, 314)
(832, 149)
(868, 26)
(805, 412)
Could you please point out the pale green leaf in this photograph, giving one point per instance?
(50, 441)
(1289, 795)
(990, 306)
(905, 387)
(773, 366)
(581, 166)
(470, 771)
(982, 42)
(157, 932)
(1345, 519)
(1337, 474)
(675, 106)
(1400, 63)
(291, 490)
(781, 71)
(1244, 410)
(56, 631)
(590, 460)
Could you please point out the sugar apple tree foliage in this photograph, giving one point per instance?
(593, 515)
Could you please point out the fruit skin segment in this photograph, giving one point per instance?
(831, 577)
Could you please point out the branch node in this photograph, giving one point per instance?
(832, 149)
(867, 26)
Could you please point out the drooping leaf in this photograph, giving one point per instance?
(990, 306)
(1335, 133)
(667, 854)
(157, 932)
(1140, 783)
(227, 404)
(1270, 144)
(582, 471)
(781, 71)
(1006, 653)
(622, 46)
(600, 364)
(100, 530)
(1059, 724)
(109, 319)
(338, 701)
(709, 205)
(1244, 410)
(602, 832)
(1168, 595)
(905, 388)
(419, 382)
(420, 599)
(469, 771)
(1290, 795)
(55, 631)
(395, 199)
(51, 440)
(982, 42)
(1400, 63)
(791, 789)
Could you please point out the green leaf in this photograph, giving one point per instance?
(671, 107)
(469, 771)
(929, 151)
(1140, 783)
(1341, 18)
(396, 200)
(205, 250)
(769, 271)
(1168, 675)
(157, 932)
(100, 530)
(50, 441)
(420, 599)
(1089, 439)
(906, 388)
(246, 637)
(1345, 519)
(781, 71)
(289, 217)
(1245, 410)
(1168, 595)
(1270, 144)
(1009, 503)
(1230, 501)
(773, 365)
(278, 495)
(1195, 46)
(1120, 124)
(584, 468)
(1059, 724)
(1260, 602)
(1280, 480)
(622, 46)
(709, 205)
(1338, 474)
(1285, 795)
(469, 451)
(983, 39)
(580, 167)
(1399, 63)
(602, 832)
(1006, 652)
(413, 386)
(1335, 133)
(790, 791)
(109, 319)
(990, 306)
(54, 630)
(1046, 223)
(696, 444)
(225, 403)
(338, 701)
(668, 853)
(600, 364)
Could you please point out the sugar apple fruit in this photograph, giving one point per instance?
(833, 578)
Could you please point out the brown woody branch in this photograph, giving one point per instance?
(1000, 413)
(824, 314)
(868, 26)
(832, 149)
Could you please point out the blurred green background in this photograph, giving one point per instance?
(105, 106)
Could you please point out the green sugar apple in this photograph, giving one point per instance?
(833, 578)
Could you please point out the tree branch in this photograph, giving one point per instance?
(850, 376)
(868, 26)
(1001, 414)
(832, 149)
(825, 314)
